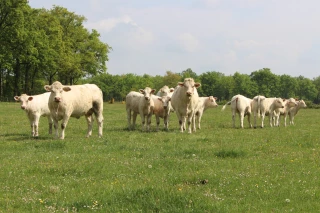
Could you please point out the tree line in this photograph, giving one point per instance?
(40, 46)
(260, 82)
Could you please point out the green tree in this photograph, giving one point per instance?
(288, 86)
(316, 82)
(244, 85)
(306, 89)
(171, 79)
(268, 83)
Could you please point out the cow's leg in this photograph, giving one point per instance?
(285, 119)
(64, 125)
(249, 120)
(50, 122)
(36, 125)
(134, 118)
(31, 120)
(165, 122)
(199, 120)
(180, 119)
(129, 118)
(89, 119)
(233, 119)
(149, 116)
(99, 118)
(262, 119)
(143, 120)
(270, 119)
(190, 119)
(241, 115)
(158, 122)
(55, 125)
(255, 114)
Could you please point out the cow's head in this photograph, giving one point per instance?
(24, 99)
(279, 103)
(302, 104)
(147, 92)
(212, 101)
(291, 102)
(57, 90)
(189, 86)
(165, 101)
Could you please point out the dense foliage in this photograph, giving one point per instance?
(39, 46)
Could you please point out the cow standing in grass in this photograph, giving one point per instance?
(184, 101)
(162, 110)
(204, 103)
(294, 110)
(288, 104)
(36, 106)
(75, 101)
(241, 105)
(140, 103)
(265, 106)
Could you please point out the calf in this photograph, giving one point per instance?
(140, 103)
(242, 105)
(184, 101)
(203, 104)
(288, 103)
(265, 106)
(161, 110)
(36, 106)
(294, 110)
(75, 101)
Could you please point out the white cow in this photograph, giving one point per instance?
(242, 105)
(203, 104)
(75, 101)
(265, 106)
(184, 101)
(161, 110)
(140, 103)
(36, 106)
(288, 103)
(165, 91)
(294, 110)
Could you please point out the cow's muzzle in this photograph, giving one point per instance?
(57, 99)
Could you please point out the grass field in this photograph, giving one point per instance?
(216, 169)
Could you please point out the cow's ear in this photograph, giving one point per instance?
(159, 98)
(141, 91)
(215, 98)
(171, 89)
(17, 98)
(197, 85)
(180, 84)
(30, 98)
(284, 99)
(48, 88)
(297, 99)
(153, 91)
(66, 89)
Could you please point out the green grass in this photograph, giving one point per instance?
(216, 169)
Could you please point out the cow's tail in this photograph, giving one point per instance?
(259, 105)
(225, 105)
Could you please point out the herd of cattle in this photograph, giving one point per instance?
(62, 102)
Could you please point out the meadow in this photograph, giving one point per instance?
(216, 169)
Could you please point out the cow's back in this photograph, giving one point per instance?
(132, 101)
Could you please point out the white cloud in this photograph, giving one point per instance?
(107, 25)
(188, 42)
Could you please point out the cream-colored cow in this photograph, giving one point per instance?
(36, 106)
(75, 101)
(140, 103)
(241, 105)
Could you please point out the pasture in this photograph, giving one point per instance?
(216, 169)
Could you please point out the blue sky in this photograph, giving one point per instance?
(228, 36)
